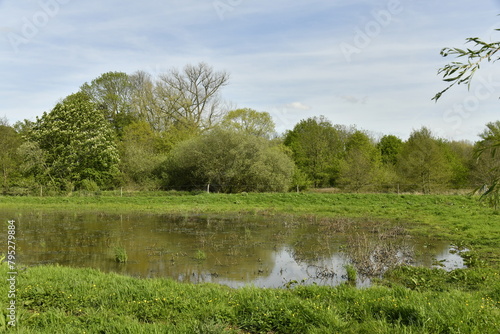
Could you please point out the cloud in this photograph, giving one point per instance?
(353, 99)
(298, 106)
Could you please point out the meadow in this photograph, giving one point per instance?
(54, 299)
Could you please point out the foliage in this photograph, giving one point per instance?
(458, 72)
(120, 254)
(112, 94)
(141, 155)
(390, 147)
(73, 143)
(10, 141)
(226, 161)
(73, 146)
(486, 152)
(249, 121)
(317, 148)
(422, 163)
(460, 156)
(361, 165)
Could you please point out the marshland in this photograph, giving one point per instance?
(263, 263)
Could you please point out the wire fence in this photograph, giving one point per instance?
(130, 190)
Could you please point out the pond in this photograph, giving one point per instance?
(235, 250)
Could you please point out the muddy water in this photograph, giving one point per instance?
(233, 250)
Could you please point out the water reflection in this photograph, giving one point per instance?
(233, 250)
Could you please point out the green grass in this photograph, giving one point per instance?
(407, 300)
(120, 254)
(65, 300)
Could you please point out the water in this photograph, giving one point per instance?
(233, 250)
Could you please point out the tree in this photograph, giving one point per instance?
(112, 94)
(361, 165)
(192, 97)
(422, 164)
(249, 121)
(460, 155)
(145, 104)
(228, 162)
(390, 147)
(77, 143)
(10, 141)
(488, 163)
(317, 149)
(141, 155)
(457, 73)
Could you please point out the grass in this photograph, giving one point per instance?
(200, 255)
(54, 299)
(65, 300)
(120, 254)
(352, 275)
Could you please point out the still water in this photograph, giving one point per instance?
(234, 250)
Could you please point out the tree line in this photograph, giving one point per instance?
(175, 131)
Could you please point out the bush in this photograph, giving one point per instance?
(228, 162)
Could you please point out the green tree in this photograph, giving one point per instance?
(77, 142)
(229, 162)
(390, 147)
(422, 164)
(317, 149)
(112, 93)
(141, 155)
(487, 171)
(10, 141)
(246, 120)
(360, 168)
(460, 155)
(462, 72)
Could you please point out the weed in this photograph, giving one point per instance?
(200, 255)
(120, 254)
(352, 275)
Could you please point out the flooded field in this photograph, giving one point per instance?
(233, 250)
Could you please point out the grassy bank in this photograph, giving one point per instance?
(409, 300)
(64, 300)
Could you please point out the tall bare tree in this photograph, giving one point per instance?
(191, 97)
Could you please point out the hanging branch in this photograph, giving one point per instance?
(462, 72)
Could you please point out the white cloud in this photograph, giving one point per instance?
(298, 106)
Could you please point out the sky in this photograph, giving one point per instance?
(372, 64)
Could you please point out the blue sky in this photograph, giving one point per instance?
(372, 64)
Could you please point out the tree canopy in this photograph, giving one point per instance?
(77, 142)
(250, 121)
